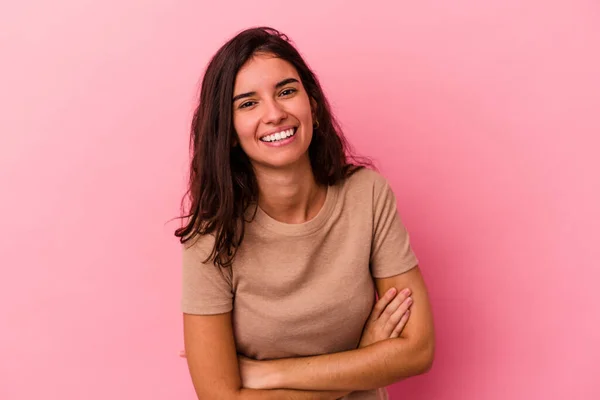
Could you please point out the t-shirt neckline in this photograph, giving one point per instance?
(305, 228)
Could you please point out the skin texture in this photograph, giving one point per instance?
(394, 344)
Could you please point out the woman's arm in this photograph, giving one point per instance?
(374, 366)
(213, 364)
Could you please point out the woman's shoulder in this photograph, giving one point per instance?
(360, 191)
(200, 245)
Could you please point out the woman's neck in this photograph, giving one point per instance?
(290, 195)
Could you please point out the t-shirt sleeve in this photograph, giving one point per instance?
(206, 288)
(391, 252)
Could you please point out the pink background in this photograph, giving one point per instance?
(483, 115)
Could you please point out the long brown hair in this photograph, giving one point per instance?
(222, 183)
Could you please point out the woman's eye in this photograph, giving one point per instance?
(287, 92)
(247, 104)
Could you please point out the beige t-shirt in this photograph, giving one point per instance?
(305, 289)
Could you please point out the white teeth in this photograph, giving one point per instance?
(278, 136)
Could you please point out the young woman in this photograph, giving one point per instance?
(286, 241)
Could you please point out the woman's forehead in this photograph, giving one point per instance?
(263, 71)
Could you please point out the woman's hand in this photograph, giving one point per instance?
(388, 318)
(255, 374)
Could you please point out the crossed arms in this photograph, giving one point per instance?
(379, 361)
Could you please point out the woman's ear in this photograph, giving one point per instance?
(313, 108)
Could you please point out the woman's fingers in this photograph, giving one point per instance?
(394, 319)
(392, 307)
(378, 326)
(382, 303)
(398, 329)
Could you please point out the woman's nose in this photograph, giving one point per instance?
(274, 112)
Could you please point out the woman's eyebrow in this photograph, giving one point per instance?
(277, 85)
(285, 82)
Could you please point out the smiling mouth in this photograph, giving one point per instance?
(276, 137)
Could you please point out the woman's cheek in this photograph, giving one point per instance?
(246, 127)
(246, 132)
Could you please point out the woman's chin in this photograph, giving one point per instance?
(285, 161)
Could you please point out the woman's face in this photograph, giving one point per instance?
(272, 113)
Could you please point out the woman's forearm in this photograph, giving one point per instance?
(289, 394)
(378, 365)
